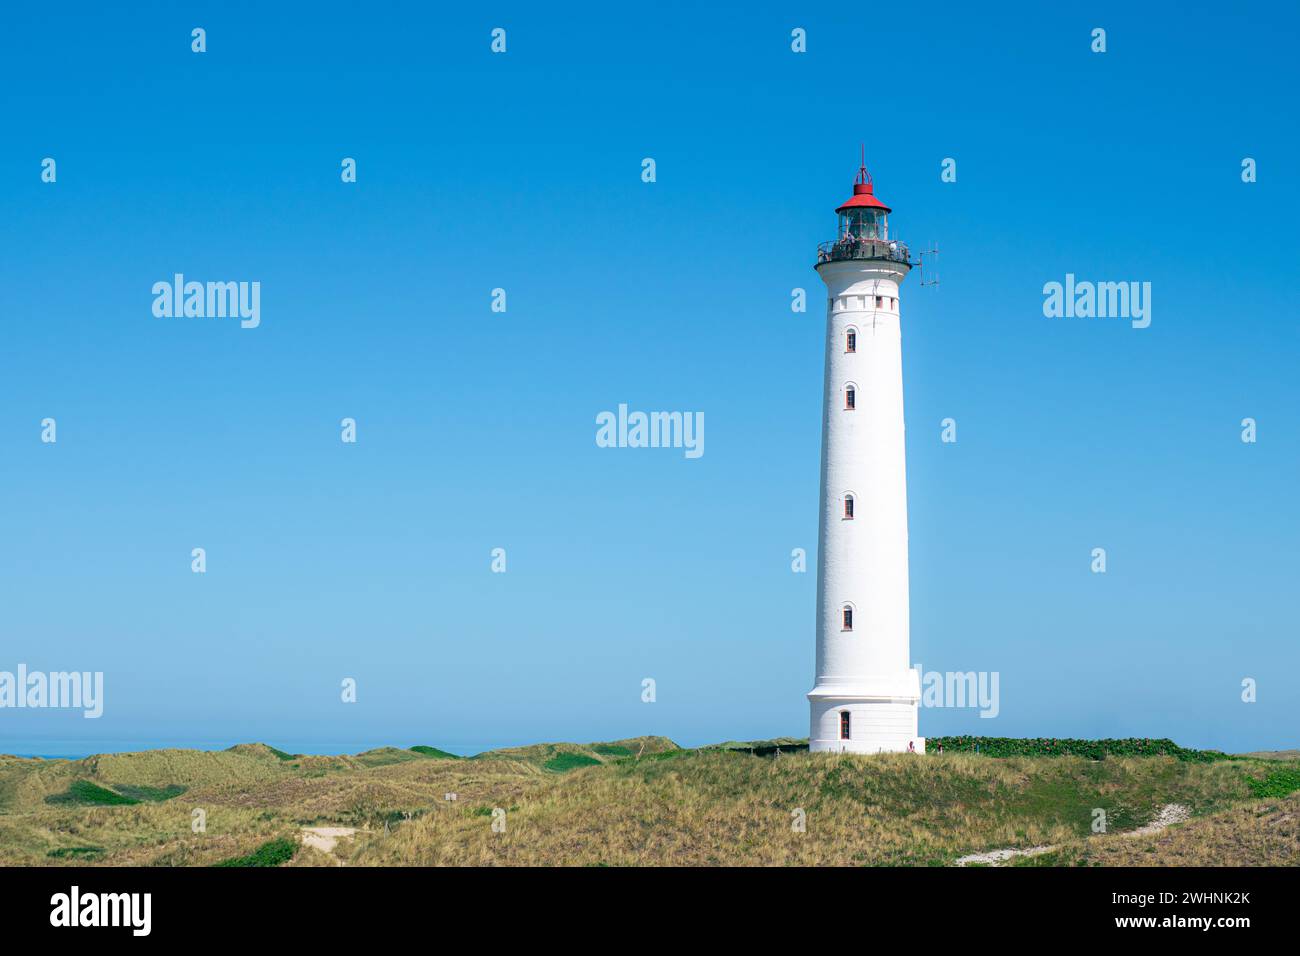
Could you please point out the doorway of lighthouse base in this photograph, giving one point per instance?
(864, 724)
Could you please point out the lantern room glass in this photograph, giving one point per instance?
(864, 224)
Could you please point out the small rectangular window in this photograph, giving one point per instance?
(850, 399)
(880, 302)
(852, 345)
(848, 619)
(848, 507)
(844, 725)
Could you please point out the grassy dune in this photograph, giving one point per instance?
(1266, 833)
(638, 802)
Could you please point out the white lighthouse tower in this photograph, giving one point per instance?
(866, 694)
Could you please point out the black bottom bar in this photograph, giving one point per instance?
(344, 903)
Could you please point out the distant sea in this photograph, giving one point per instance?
(77, 749)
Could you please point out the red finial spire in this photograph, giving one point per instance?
(864, 177)
(863, 193)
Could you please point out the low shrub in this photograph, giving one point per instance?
(152, 794)
(83, 791)
(75, 852)
(1279, 783)
(434, 752)
(268, 854)
(564, 762)
(1068, 746)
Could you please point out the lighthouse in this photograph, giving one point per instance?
(866, 693)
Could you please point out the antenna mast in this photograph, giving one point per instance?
(933, 277)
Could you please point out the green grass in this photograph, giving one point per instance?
(140, 792)
(1050, 858)
(268, 854)
(434, 752)
(86, 792)
(83, 791)
(612, 750)
(1279, 783)
(75, 852)
(564, 762)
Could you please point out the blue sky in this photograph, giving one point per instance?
(476, 429)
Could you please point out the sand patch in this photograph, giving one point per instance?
(326, 839)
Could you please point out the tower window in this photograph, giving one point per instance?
(844, 725)
(893, 304)
(848, 507)
(850, 398)
(847, 613)
(851, 340)
(880, 302)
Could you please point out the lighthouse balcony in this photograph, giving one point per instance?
(853, 247)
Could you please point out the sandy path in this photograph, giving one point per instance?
(326, 839)
(1169, 814)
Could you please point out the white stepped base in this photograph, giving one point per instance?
(868, 745)
(877, 724)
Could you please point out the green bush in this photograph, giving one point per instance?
(153, 794)
(564, 762)
(1067, 746)
(75, 852)
(1279, 783)
(268, 854)
(83, 791)
(434, 752)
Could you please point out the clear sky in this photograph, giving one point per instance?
(476, 429)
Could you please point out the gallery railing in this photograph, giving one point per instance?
(837, 250)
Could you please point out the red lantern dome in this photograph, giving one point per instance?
(863, 194)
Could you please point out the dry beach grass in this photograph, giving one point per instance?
(635, 802)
